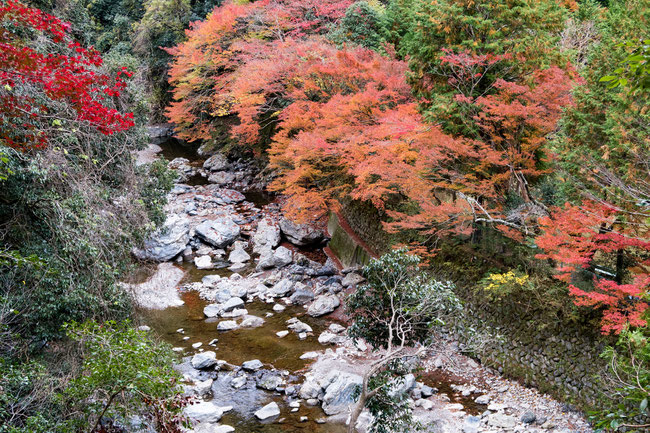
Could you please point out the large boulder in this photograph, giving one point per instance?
(323, 304)
(219, 233)
(204, 412)
(167, 242)
(301, 234)
(204, 360)
(216, 162)
(339, 395)
(267, 236)
(282, 257)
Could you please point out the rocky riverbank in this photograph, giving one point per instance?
(251, 311)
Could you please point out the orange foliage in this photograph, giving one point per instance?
(343, 122)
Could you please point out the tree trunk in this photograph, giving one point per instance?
(361, 403)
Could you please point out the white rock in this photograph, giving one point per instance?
(204, 360)
(282, 256)
(219, 233)
(238, 254)
(282, 334)
(232, 303)
(204, 412)
(268, 411)
(309, 355)
(227, 325)
(252, 322)
(267, 235)
(323, 304)
(203, 262)
(252, 365)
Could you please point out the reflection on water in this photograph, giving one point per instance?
(238, 345)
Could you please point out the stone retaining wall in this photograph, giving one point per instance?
(562, 359)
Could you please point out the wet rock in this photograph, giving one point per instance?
(298, 327)
(323, 304)
(328, 269)
(268, 411)
(212, 310)
(232, 303)
(302, 295)
(267, 236)
(238, 382)
(252, 365)
(219, 233)
(352, 279)
(483, 399)
(216, 162)
(340, 392)
(203, 360)
(300, 234)
(227, 325)
(269, 380)
(204, 412)
(167, 242)
(282, 256)
(252, 322)
(278, 308)
(204, 388)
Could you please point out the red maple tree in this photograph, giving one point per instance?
(61, 82)
(577, 237)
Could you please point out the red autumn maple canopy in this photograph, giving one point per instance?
(40, 89)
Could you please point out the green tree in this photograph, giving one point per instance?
(362, 25)
(524, 31)
(124, 372)
(395, 311)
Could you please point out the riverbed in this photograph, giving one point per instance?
(277, 273)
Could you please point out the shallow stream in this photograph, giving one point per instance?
(240, 345)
